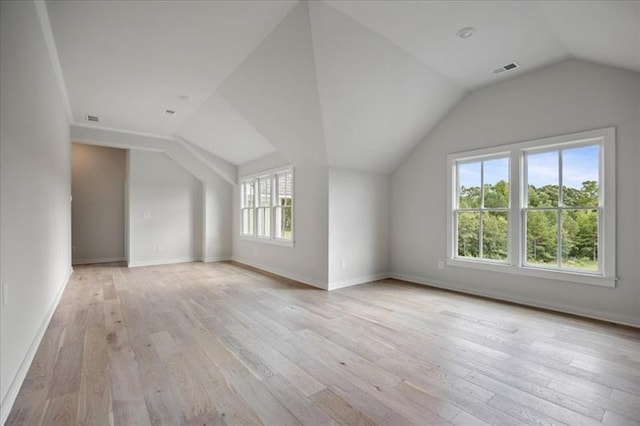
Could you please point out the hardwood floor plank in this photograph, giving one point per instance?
(221, 344)
(518, 398)
(230, 405)
(342, 412)
(299, 405)
(162, 408)
(523, 412)
(61, 411)
(66, 374)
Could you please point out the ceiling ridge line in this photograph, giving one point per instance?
(50, 41)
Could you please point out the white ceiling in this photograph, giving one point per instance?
(357, 84)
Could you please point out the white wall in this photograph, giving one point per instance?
(97, 209)
(35, 183)
(568, 97)
(358, 227)
(165, 209)
(217, 176)
(306, 261)
(218, 196)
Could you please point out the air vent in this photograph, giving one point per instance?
(505, 68)
(93, 118)
(169, 112)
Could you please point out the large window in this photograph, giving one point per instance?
(543, 208)
(266, 210)
(482, 211)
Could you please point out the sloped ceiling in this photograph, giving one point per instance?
(346, 83)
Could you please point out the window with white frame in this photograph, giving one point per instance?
(543, 208)
(266, 210)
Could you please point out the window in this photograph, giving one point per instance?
(482, 213)
(284, 204)
(543, 208)
(266, 210)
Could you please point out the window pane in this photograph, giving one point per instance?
(264, 222)
(580, 240)
(264, 198)
(580, 176)
(496, 183)
(283, 223)
(468, 234)
(469, 185)
(247, 221)
(543, 180)
(495, 241)
(542, 238)
(247, 194)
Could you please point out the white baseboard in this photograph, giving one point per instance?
(557, 307)
(286, 274)
(216, 259)
(138, 263)
(100, 260)
(10, 397)
(355, 281)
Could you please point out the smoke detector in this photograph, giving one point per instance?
(93, 118)
(508, 67)
(465, 32)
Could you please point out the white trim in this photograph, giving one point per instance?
(300, 278)
(49, 39)
(267, 172)
(267, 240)
(216, 259)
(560, 275)
(99, 260)
(186, 145)
(120, 130)
(557, 307)
(356, 281)
(14, 388)
(115, 145)
(139, 263)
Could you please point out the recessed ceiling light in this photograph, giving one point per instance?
(465, 32)
(185, 98)
(169, 112)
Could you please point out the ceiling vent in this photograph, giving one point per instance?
(93, 118)
(508, 67)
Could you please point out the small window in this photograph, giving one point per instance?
(544, 208)
(267, 207)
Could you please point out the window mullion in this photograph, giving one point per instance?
(559, 214)
(480, 230)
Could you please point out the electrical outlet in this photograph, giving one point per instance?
(146, 215)
(440, 264)
(343, 264)
(159, 248)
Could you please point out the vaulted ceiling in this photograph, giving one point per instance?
(348, 83)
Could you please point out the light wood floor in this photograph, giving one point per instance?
(220, 344)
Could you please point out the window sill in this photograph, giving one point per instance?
(275, 242)
(575, 277)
